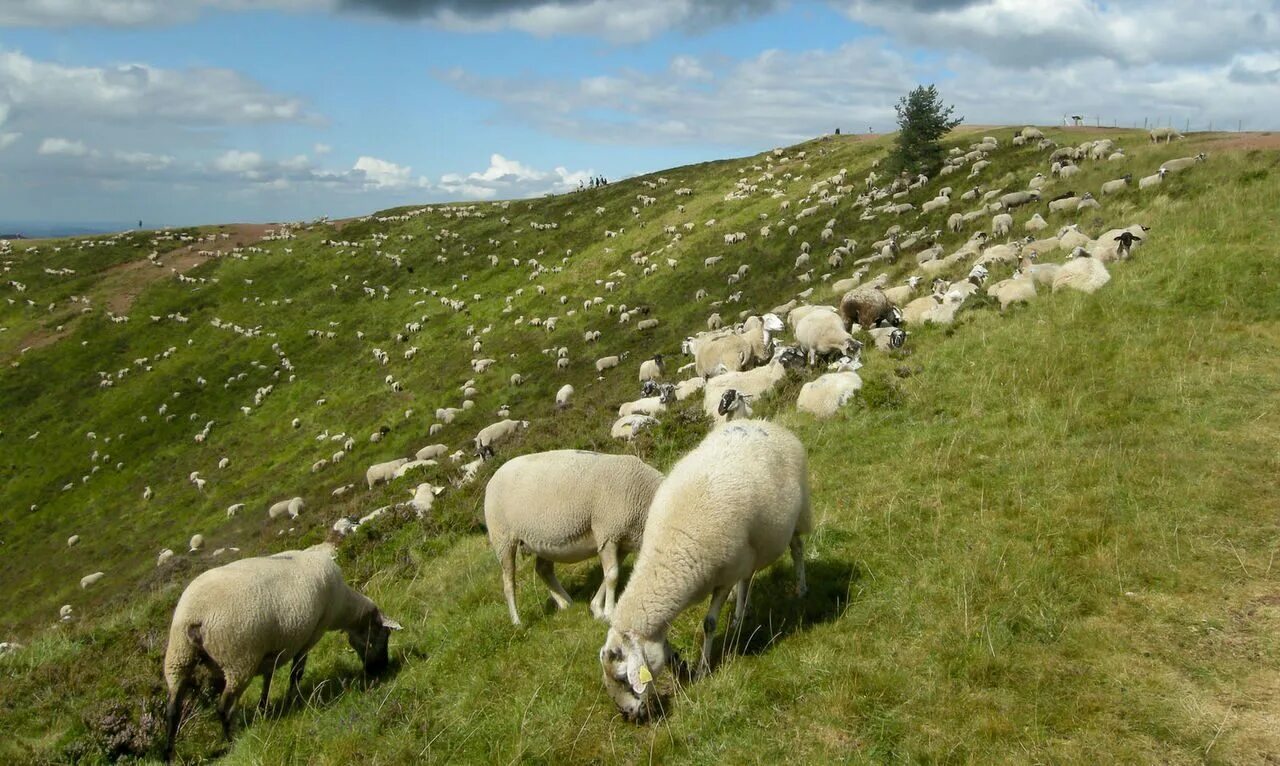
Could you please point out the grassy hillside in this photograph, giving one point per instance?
(1044, 535)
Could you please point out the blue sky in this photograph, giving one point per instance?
(195, 111)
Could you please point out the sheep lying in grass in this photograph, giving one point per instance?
(1081, 273)
(752, 383)
(1020, 288)
(650, 405)
(627, 426)
(713, 523)
(825, 395)
(737, 351)
(565, 506)
(248, 617)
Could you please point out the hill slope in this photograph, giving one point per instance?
(1042, 535)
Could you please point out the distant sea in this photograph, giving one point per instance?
(38, 229)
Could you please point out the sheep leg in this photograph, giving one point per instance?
(266, 689)
(797, 559)
(507, 558)
(609, 587)
(741, 592)
(718, 597)
(547, 571)
(173, 714)
(295, 674)
(227, 703)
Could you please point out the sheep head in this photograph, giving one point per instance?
(629, 667)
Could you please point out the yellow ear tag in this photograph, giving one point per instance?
(644, 675)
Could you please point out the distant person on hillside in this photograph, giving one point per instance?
(139, 223)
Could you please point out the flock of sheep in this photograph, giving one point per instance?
(707, 526)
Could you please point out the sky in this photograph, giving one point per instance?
(181, 112)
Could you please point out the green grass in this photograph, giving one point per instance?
(1045, 536)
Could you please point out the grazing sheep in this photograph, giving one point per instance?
(1168, 134)
(495, 433)
(164, 556)
(888, 338)
(687, 388)
(293, 506)
(197, 542)
(431, 452)
(1019, 289)
(563, 396)
(90, 580)
(424, 496)
(751, 383)
(737, 351)
(627, 426)
(902, 293)
(713, 523)
(232, 510)
(1001, 224)
(652, 369)
(821, 333)
(248, 617)
(867, 306)
(825, 395)
(565, 506)
(1182, 163)
(383, 472)
(73, 540)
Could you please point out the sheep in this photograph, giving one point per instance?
(888, 338)
(197, 542)
(608, 362)
(164, 556)
(1118, 185)
(1168, 134)
(652, 369)
(90, 580)
(733, 406)
(563, 396)
(1035, 223)
(1064, 205)
(867, 306)
(650, 405)
(248, 617)
(712, 525)
(293, 506)
(495, 433)
(1182, 163)
(1081, 273)
(687, 388)
(1021, 288)
(1016, 199)
(627, 426)
(714, 322)
(1147, 182)
(232, 510)
(1001, 224)
(564, 506)
(424, 496)
(73, 540)
(902, 293)
(826, 394)
(737, 351)
(821, 333)
(383, 472)
(752, 383)
(1087, 202)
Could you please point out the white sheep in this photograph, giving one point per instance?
(1147, 182)
(652, 369)
(249, 617)
(825, 395)
(1081, 273)
(90, 580)
(293, 506)
(495, 433)
(563, 395)
(752, 383)
(822, 333)
(565, 506)
(424, 496)
(726, 510)
(383, 472)
(628, 426)
(431, 452)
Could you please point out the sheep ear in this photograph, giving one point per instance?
(638, 673)
(390, 624)
(437, 490)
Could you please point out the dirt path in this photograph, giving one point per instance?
(120, 285)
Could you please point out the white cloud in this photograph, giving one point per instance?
(235, 161)
(145, 160)
(689, 68)
(511, 179)
(62, 147)
(382, 174)
(37, 92)
(7, 139)
(322, 149)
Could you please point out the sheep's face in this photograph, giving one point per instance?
(629, 667)
(370, 641)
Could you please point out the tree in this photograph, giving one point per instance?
(922, 122)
